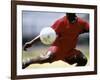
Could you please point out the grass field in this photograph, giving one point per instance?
(37, 50)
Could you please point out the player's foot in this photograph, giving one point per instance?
(24, 65)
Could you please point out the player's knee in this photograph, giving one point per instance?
(45, 56)
(82, 61)
(42, 57)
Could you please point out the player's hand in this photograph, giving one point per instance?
(27, 45)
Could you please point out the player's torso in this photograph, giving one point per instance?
(68, 35)
(70, 30)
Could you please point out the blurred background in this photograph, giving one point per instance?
(34, 21)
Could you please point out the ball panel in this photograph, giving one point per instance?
(47, 35)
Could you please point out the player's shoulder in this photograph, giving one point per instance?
(61, 20)
(80, 20)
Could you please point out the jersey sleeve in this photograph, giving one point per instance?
(85, 26)
(57, 26)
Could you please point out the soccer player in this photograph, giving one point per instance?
(67, 28)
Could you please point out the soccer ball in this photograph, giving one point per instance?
(47, 35)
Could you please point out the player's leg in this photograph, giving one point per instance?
(78, 58)
(48, 57)
(81, 59)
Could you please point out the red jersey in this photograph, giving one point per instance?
(67, 36)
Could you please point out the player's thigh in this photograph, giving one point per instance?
(77, 57)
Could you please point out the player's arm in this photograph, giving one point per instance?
(84, 26)
(57, 26)
(30, 43)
